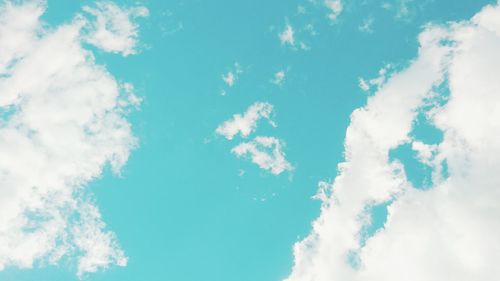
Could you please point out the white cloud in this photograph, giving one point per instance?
(246, 123)
(62, 121)
(447, 232)
(231, 76)
(266, 152)
(335, 7)
(113, 29)
(287, 36)
(279, 77)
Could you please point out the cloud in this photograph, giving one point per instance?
(425, 152)
(279, 77)
(266, 152)
(363, 84)
(367, 25)
(230, 77)
(287, 36)
(378, 82)
(449, 231)
(62, 121)
(112, 28)
(335, 7)
(246, 123)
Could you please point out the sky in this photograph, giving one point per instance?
(300, 140)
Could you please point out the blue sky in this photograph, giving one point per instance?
(184, 206)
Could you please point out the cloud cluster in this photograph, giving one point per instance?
(62, 121)
(266, 152)
(449, 231)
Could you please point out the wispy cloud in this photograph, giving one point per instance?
(367, 25)
(246, 123)
(231, 76)
(278, 78)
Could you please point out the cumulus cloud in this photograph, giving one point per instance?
(113, 28)
(246, 123)
(335, 8)
(449, 231)
(266, 152)
(62, 121)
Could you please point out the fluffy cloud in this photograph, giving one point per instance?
(335, 7)
(113, 29)
(246, 123)
(449, 231)
(62, 120)
(266, 152)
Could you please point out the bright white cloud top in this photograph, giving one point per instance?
(449, 231)
(63, 119)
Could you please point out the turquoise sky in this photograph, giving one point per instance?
(181, 209)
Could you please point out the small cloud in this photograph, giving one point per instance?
(310, 29)
(304, 46)
(367, 25)
(278, 78)
(335, 7)
(379, 81)
(363, 84)
(287, 36)
(231, 76)
(246, 123)
(266, 152)
(301, 10)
